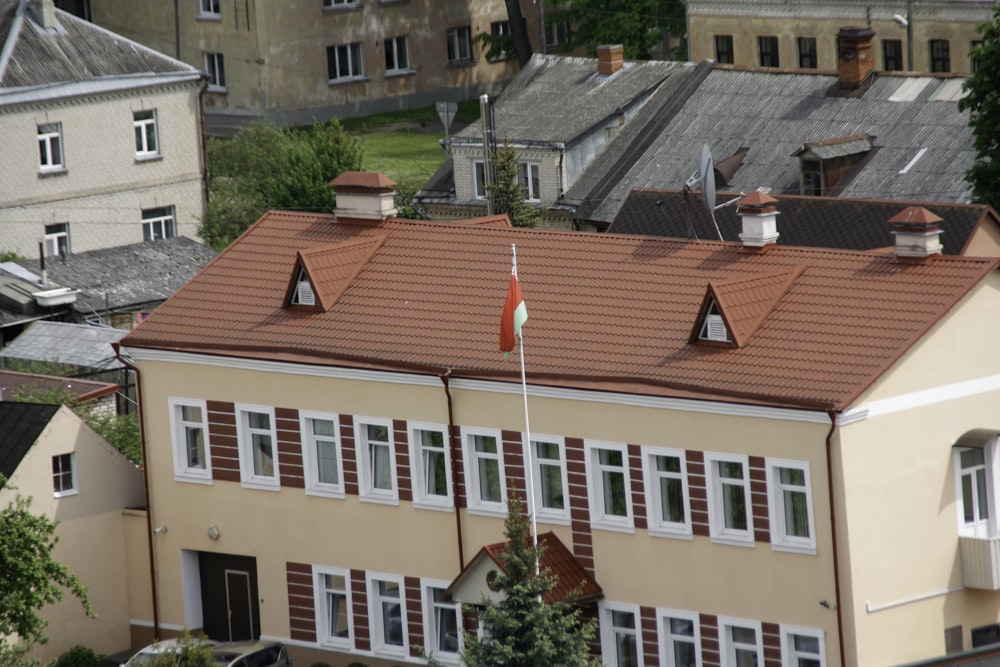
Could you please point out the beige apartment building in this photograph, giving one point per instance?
(802, 34)
(298, 60)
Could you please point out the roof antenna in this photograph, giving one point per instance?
(705, 176)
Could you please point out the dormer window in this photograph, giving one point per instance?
(823, 165)
(713, 327)
(304, 294)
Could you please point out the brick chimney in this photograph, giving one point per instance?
(610, 58)
(44, 12)
(855, 62)
(759, 213)
(364, 195)
(917, 232)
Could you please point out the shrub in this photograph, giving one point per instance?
(78, 656)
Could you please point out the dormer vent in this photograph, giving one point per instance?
(713, 327)
(304, 294)
(759, 214)
(917, 233)
(610, 59)
(364, 195)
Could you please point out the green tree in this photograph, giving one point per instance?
(508, 192)
(982, 101)
(187, 652)
(31, 579)
(640, 26)
(521, 630)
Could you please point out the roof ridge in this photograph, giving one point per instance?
(12, 37)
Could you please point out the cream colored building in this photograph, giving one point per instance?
(76, 478)
(102, 137)
(313, 59)
(803, 34)
(753, 449)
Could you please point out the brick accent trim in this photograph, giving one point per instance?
(301, 601)
(711, 655)
(348, 454)
(579, 506)
(638, 486)
(758, 499)
(698, 491)
(513, 465)
(414, 615)
(224, 446)
(359, 600)
(289, 448)
(772, 644)
(457, 448)
(401, 439)
(650, 640)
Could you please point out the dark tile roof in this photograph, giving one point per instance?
(827, 222)
(81, 390)
(606, 311)
(77, 346)
(20, 424)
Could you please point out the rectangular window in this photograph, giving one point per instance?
(972, 466)
(459, 44)
(430, 462)
(334, 620)
(50, 147)
(549, 460)
(666, 492)
(386, 609)
(64, 475)
(767, 51)
(940, 55)
(189, 431)
(892, 55)
(529, 181)
(485, 479)
(344, 62)
(340, 3)
(791, 507)
(57, 239)
(556, 33)
(724, 49)
(216, 69)
(144, 124)
(802, 647)
(395, 54)
(974, 63)
(741, 642)
(376, 460)
(607, 475)
(500, 31)
(257, 438)
(442, 623)
(479, 180)
(321, 455)
(209, 9)
(730, 519)
(158, 223)
(620, 638)
(680, 638)
(807, 53)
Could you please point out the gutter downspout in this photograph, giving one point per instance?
(833, 533)
(177, 28)
(455, 448)
(116, 346)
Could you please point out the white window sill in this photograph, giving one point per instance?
(733, 540)
(52, 171)
(261, 484)
(381, 500)
(193, 479)
(495, 510)
(65, 494)
(624, 526)
(394, 73)
(555, 518)
(328, 9)
(324, 492)
(347, 79)
(221, 90)
(208, 17)
(443, 505)
(804, 549)
(341, 643)
(680, 533)
(148, 157)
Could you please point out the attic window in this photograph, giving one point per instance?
(304, 294)
(713, 327)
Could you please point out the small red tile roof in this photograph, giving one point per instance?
(606, 311)
(331, 268)
(362, 179)
(746, 301)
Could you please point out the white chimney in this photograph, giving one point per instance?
(45, 13)
(917, 232)
(364, 195)
(759, 214)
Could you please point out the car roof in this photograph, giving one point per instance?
(240, 648)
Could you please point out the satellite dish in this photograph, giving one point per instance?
(706, 173)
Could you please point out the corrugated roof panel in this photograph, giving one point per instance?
(910, 89)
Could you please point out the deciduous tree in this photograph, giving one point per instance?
(982, 101)
(638, 25)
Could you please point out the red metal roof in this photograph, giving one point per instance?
(606, 311)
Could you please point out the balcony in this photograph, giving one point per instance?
(980, 562)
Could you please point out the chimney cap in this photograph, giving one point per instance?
(365, 180)
(757, 201)
(915, 216)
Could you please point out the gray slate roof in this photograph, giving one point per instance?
(21, 424)
(558, 98)
(775, 113)
(127, 276)
(78, 345)
(76, 51)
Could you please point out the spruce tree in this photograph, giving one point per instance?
(507, 191)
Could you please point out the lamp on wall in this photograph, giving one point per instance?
(213, 532)
(907, 22)
(161, 529)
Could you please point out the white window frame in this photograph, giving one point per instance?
(543, 513)
(215, 68)
(57, 242)
(609, 652)
(781, 540)
(395, 46)
(248, 477)
(377, 630)
(210, 9)
(310, 460)
(529, 173)
(421, 496)
(473, 484)
(728, 647)
(459, 41)
(323, 636)
(339, 4)
(355, 62)
(717, 529)
(367, 491)
(431, 646)
(663, 617)
(60, 490)
(51, 159)
(599, 518)
(656, 523)
(183, 471)
(159, 223)
(147, 139)
(983, 526)
(790, 655)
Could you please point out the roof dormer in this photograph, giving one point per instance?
(321, 275)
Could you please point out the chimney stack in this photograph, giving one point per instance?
(759, 213)
(854, 56)
(610, 58)
(917, 232)
(45, 13)
(364, 195)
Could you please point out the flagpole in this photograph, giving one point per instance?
(530, 468)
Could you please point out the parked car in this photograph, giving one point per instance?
(147, 654)
(251, 654)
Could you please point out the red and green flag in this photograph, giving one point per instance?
(515, 314)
